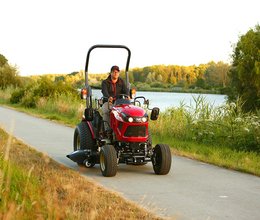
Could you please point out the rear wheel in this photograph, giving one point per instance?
(83, 140)
(162, 159)
(108, 161)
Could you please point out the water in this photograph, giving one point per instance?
(165, 100)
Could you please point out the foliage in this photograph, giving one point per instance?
(226, 125)
(8, 76)
(182, 75)
(17, 95)
(216, 74)
(29, 95)
(3, 60)
(245, 71)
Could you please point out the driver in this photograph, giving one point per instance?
(112, 87)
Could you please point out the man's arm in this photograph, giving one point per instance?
(105, 92)
(104, 89)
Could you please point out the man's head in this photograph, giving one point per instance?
(114, 68)
(114, 72)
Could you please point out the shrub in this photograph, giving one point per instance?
(44, 87)
(17, 96)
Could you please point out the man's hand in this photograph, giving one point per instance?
(110, 99)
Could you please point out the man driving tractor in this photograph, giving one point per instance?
(112, 87)
(126, 138)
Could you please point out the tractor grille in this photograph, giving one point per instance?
(135, 131)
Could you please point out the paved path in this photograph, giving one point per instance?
(192, 190)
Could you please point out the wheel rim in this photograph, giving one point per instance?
(88, 164)
(102, 162)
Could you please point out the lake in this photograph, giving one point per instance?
(165, 100)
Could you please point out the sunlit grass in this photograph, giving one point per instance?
(33, 186)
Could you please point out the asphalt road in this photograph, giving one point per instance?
(192, 190)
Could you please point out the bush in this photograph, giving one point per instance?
(44, 87)
(17, 96)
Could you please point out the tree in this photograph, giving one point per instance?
(3, 60)
(200, 83)
(8, 76)
(216, 74)
(245, 71)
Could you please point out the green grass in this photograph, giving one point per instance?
(248, 162)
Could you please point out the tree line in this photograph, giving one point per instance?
(206, 76)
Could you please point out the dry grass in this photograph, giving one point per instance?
(33, 186)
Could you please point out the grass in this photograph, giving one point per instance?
(33, 186)
(248, 162)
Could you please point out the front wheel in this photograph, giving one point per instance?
(161, 159)
(108, 161)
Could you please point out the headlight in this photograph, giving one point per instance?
(130, 119)
(135, 119)
(144, 119)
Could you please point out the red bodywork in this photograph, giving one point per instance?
(129, 131)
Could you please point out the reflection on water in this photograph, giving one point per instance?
(164, 100)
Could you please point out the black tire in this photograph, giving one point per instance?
(161, 159)
(83, 140)
(108, 161)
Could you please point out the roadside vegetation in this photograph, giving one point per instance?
(33, 186)
(224, 136)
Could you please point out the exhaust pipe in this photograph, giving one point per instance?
(79, 156)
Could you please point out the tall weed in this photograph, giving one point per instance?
(64, 104)
(216, 126)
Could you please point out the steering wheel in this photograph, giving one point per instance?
(122, 96)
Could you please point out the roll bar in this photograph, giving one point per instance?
(108, 46)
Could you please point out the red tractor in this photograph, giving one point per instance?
(128, 141)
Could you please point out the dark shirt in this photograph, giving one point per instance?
(110, 89)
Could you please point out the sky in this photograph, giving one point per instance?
(53, 36)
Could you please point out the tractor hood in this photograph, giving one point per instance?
(130, 110)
